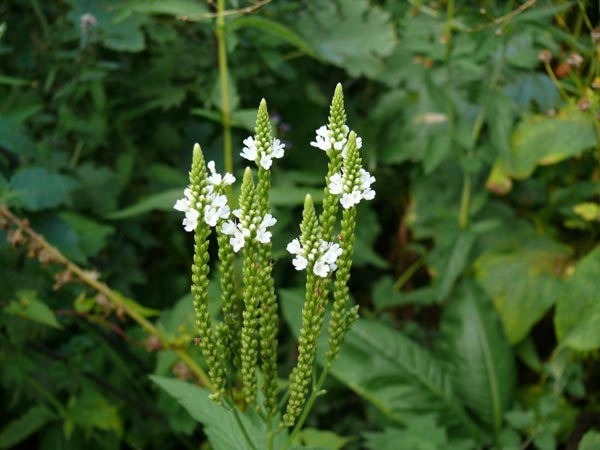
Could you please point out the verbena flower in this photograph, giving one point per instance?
(251, 152)
(352, 191)
(327, 139)
(324, 255)
(253, 228)
(216, 206)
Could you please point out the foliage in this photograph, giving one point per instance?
(476, 266)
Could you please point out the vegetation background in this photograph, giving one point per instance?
(477, 266)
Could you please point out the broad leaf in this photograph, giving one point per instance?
(403, 379)
(219, 423)
(20, 429)
(363, 34)
(548, 140)
(479, 356)
(523, 282)
(36, 188)
(14, 140)
(91, 410)
(577, 318)
(590, 441)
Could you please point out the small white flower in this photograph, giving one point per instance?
(277, 148)
(237, 233)
(323, 140)
(216, 209)
(262, 235)
(332, 253)
(266, 161)
(336, 184)
(216, 179)
(190, 221)
(250, 152)
(294, 247)
(300, 262)
(321, 269)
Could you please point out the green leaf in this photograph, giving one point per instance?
(456, 263)
(37, 188)
(499, 111)
(163, 201)
(92, 235)
(91, 410)
(20, 429)
(276, 29)
(481, 360)
(523, 281)
(30, 308)
(577, 318)
(363, 34)
(326, 440)
(188, 9)
(14, 140)
(547, 140)
(403, 379)
(219, 423)
(590, 441)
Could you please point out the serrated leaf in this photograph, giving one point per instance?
(326, 440)
(577, 318)
(29, 307)
(523, 282)
(590, 441)
(36, 188)
(363, 34)
(403, 379)
(547, 140)
(14, 140)
(219, 423)
(20, 429)
(481, 360)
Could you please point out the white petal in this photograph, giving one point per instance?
(277, 148)
(294, 247)
(237, 242)
(268, 221)
(211, 216)
(266, 161)
(368, 194)
(211, 166)
(263, 236)
(182, 205)
(347, 201)
(229, 228)
(190, 223)
(336, 184)
(300, 262)
(321, 269)
(237, 213)
(228, 179)
(249, 151)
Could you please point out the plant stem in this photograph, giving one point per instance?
(316, 392)
(115, 298)
(224, 79)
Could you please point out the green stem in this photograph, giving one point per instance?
(316, 392)
(224, 79)
(465, 201)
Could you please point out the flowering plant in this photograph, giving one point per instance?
(242, 348)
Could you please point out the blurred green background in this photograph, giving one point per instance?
(477, 266)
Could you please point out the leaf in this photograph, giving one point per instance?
(499, 113)
(91, 410)
(92, 235)
(163, 201)
(189, 9)
(403, 379)
(20, 429)
(457, 262)
(363, 34)
(14, 140)
(577, 318)
(30, 308)
(276, 29)
(326, 440)
(590, 441)
(219, 423)
(479, 355)
(37, 188)
(547, 140)
(523, 281)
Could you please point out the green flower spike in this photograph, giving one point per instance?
(199, 190)
(342, 318)
(310, 251)
(269, 321)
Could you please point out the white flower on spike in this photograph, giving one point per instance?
(241, 231)
(216, 209)
(251, 152)
(237, 232)
(325, 140)
(324, 255)
(352, 194)
(216, 179)
(190, 221)
(262, 235)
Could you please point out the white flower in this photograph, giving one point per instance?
(190, 221)
(250, 152)
(336, 184)
(237, 232)
(216, 179)
(262, 235)
(321, 269)
(265, 158)
(216, 209)
(323, 140)
(324, 255)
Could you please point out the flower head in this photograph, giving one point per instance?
(326, 140)
(252, 152)
(322, 256)
(246, 227)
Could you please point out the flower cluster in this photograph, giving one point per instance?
(216, 206)
(251, 152)
(324, 256)
(241, 231)
(326, 140)
(352, 193)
